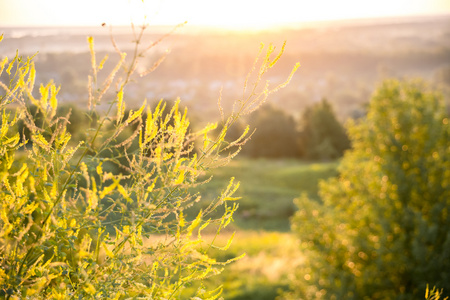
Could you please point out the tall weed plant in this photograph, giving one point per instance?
(105, 217)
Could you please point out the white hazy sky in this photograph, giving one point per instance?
(229, 13)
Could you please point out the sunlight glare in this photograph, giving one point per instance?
(244, 15)
(231, 14)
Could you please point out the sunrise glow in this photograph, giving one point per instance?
(234, 14)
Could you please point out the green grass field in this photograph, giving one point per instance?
(262, 227)
(268, 188)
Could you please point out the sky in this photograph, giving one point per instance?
(245, 14)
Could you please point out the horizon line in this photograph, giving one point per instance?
(219, 27)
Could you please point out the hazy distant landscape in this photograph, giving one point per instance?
(341, 61)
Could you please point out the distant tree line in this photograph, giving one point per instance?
(317, 135)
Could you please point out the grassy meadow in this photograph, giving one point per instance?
(261, 225)
(268, 188)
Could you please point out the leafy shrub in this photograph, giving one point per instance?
(71, 228)
(383, 229)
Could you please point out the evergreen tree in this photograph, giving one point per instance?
(276, 134)
(322, 136)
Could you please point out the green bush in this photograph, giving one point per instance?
(70, 227)
(382, 230)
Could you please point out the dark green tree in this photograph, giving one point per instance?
(322, 136)
(382, 230)
(78, 121)
(276, 134)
